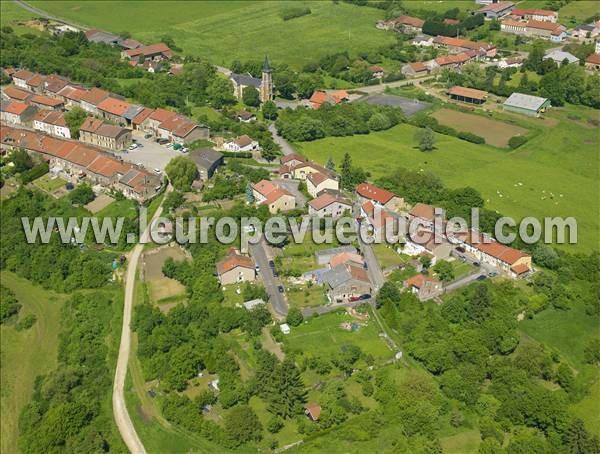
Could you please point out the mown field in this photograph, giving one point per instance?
(26, 354)
(223, 31)
(557, 170)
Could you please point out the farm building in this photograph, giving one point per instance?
(496, 10)
(469, 95)
(526, 104)
(593, 62)
(560, 56)
(207, 160)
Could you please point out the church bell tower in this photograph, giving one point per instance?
(266, 84)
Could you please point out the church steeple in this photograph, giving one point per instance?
(266, 84)
(266, 66)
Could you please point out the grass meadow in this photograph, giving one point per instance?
(222, 31)
(557, 168)
(26, 354)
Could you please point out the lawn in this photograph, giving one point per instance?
(557, 169)
(386, 255)
(223, 31)
(555, 328)
(323, 335)
(496, 133)
(579, 10)
(48, 184)
(305, 296)
(440, 6)
(119, 208)
(26, 354)
(11, 13)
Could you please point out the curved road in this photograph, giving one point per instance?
(128, 433)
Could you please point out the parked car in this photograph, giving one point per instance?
(147, 136)
(365, 296)
(184, 150)
(271, 263)
(69, 186)
(460, 249)
(157, 171)
(354, 298)
(257, 268)
(280, 288)
(162, 141)
(482, 277)
(492, 274)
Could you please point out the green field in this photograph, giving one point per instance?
(223, 31)
(26, 354)
(10, 13)
(557, 169)
(323, 336)
(440, 6)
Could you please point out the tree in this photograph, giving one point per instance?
(591, 351)
(294, 317)
(182, 172)
(9, 304)
(379, 122)
(330, 165)
(425, 260)
(565, 377)
(82, 195)
(173, 200)
(425, 138)
(21, 159)
(286, 392)
(74, 119)
(578, 440)
(220, 93)
(346, 172)
(251, 97)
(249, 193)
(444, 270)
(242, 425)
(269, 110)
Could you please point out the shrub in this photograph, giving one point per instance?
(516, 141)
(295, 11)
(469, 137)
(33, 174)
(27, 322)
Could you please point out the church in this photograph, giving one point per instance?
(264, 85)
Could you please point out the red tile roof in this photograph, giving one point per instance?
(292, 157)
(275, 195)
(23, 74)
(16, 93)
(46, 101)
(594, 59)
(326, 199)
(114, 106)
(139, 118)
(36, 80)
(82, 156)
(409, 20)
(333, 97)
(499, 251)
(153, 49)
(345, 257)
(423, 211)
(264, 187)
(15, 107)
(161, 115)
(418, 66)
(418, 281)
(95, 96)
(317, 178)
(452, 59)
(371, 192)
(463, 43)
(532, 12)
(233, 260)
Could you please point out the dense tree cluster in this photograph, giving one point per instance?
(9, 305)
(340, 120)
(61, 267)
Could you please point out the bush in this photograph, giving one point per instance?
(33, 174)
(295, 11)
(469, 137)
(27, 322)
(82, 194)
(516, 141)
(294, 317)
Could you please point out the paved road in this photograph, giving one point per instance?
(286, 148)
(466, 280)
(398, 83)
(277, 299)
(122, 418)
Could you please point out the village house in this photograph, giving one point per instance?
(317, 182)
(113, 109)
(302, 170)
(181, 130)
(15, 94)
(345, 281)
(448, 62)
(36, 83)
(53, 84)
(324, 256)
(377, 72)
(154, 52)
(129, 43)
(459, 45)
(526, 104)
(508, 260)
(46, 102)
(276, 198)
(16, 112)
(21, 77)
(152, 121)
(328, 204)
(422, 41)
(496, 10)
(138, 120)
(403, 24)
(71, 95)
(417, 69)
(380, 219)
(468, 95)
(77, 162)
(312, 411)
(52, 123)
(379, 197)
(559, 56)
(593, 62)
(292, 159)
(236, 268)
(346, 257)
(332, 97)
(96, 132)
(542, 15)
(586, 33)
(535, 29)
(91, 98)
(424, 287)
(426, 242)
(510, 63)
(242, 143)
(245, 116)
(207, 161)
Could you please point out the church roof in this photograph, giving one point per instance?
(246, 80)
(266, 66)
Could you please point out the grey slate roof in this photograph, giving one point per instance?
(337, 276)
(104, 37)
(206, 157)
(249, 305)
(523, 101)
(246, 80)
(559, 56)
(132, 112)
(125, 179)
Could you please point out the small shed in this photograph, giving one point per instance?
(313, 411)
(249, 305)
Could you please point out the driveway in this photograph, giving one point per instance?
(285, 146)
(271, 283)
(292, 186)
